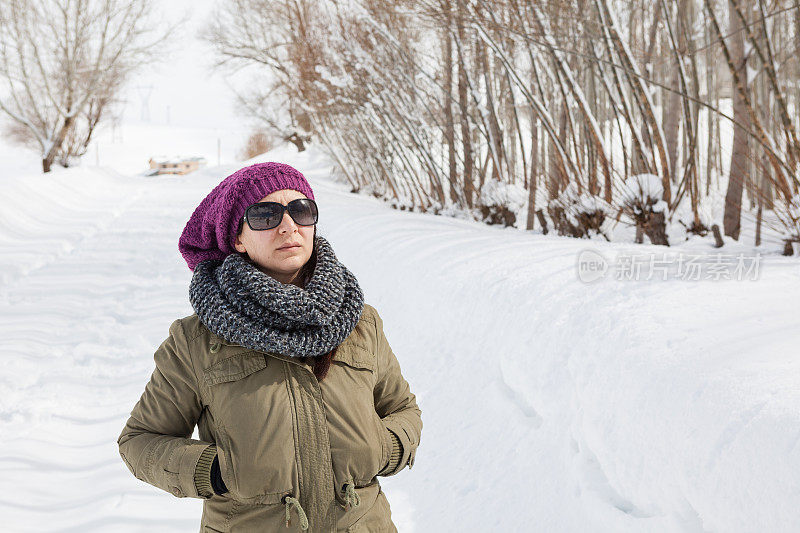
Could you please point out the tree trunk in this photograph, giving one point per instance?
(740, 156)
(672, 118)
(466, 137)
(534, 167)
(450, 134)
(557, 175)
(50, 156)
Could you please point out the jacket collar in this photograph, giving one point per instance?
(348, 352)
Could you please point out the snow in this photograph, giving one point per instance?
(500, 193)
(576, 204)
(659, 207)
(642, 189)
(549, 404)
(751, 74)
(337, 81)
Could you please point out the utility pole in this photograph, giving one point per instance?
(144, 94)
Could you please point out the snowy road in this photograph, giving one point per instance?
(548, 404)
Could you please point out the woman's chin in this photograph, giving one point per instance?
(284, 268)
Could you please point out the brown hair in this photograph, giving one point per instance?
(320, 363)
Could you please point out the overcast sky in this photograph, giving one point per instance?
(183, 89)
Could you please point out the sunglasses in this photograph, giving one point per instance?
(268, 215)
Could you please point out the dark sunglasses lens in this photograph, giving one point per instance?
(264, 216)
(303, 211)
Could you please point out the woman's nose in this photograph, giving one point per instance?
(287, 222)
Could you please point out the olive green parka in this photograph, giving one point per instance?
(290, 447)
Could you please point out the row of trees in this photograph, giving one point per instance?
(592, 111)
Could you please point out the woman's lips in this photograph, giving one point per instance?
(289, 247)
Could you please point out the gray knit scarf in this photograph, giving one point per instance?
(243, 305)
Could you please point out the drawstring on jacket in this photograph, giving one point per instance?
(351, 497)
(292, 501)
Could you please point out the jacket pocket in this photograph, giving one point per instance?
(386, 443)
(235, 367)
(251, 410)
(356, 356)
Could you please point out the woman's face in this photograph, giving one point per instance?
(262, 247)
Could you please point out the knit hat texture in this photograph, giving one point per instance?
(211, 229)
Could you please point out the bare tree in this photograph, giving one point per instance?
(63, 61)
(281, 37)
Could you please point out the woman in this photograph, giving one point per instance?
(299, 401)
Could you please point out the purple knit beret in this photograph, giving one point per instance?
(211, 230)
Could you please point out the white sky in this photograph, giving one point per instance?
(185, 90)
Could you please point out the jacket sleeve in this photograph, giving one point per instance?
(395, 403)
(155, 443)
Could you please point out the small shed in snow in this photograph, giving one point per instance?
(175, 165)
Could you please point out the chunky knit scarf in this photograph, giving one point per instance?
(243, 305)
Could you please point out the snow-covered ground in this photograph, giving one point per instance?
(549, 403)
